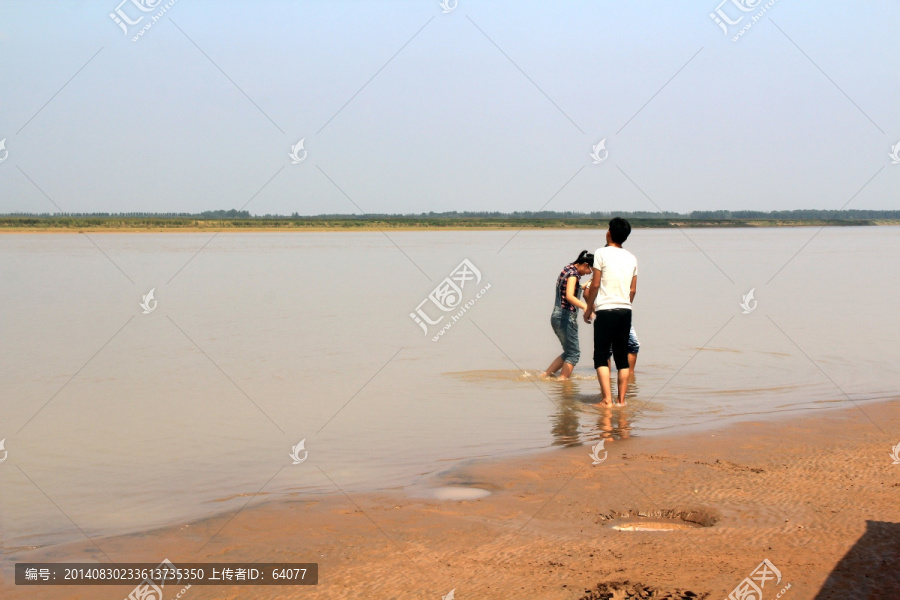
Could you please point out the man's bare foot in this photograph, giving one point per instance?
(603, 402)
(544, 375)
(621, 403)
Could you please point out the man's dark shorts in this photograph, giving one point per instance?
(611, 330)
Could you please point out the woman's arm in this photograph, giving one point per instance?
(571, 283)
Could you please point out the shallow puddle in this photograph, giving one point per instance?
(455, 492)
(654, 526)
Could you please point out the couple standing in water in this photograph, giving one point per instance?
(607, 301)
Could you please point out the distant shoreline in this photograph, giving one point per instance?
(192, 225)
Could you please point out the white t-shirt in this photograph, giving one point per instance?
(617, 268)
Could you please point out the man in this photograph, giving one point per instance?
(611, 293)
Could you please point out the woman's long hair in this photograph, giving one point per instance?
(585, 258)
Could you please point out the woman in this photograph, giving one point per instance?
(564, 318)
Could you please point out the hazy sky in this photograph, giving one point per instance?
(491, 106)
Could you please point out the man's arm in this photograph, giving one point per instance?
(633, 287)
(591, 295)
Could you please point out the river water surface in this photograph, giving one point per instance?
(115, 420)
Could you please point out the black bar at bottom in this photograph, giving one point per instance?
(160, 575)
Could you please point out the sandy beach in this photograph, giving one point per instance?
(815, 494)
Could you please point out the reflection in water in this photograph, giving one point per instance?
(565, 422)
(572, 403)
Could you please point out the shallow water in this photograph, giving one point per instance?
(116, 420)
(654, 526)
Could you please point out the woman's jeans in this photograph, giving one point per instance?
(565, 326)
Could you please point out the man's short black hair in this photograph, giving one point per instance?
(619, 230)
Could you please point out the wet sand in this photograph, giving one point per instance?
(802, 492)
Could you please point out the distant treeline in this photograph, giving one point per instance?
(699, 215)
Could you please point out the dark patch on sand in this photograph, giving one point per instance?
(703, 517)
(727, 465)
(622, 590)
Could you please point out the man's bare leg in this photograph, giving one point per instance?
(632, 362)
(555, 366)
(566, 372)
(603, 378)
(623, 384)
